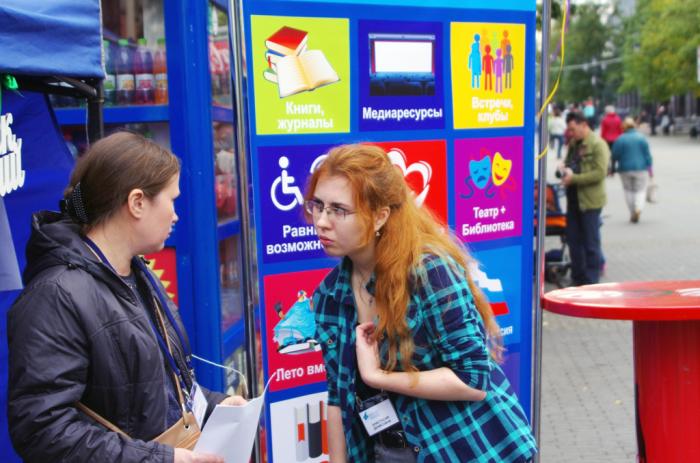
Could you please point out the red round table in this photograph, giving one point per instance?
(666, 324)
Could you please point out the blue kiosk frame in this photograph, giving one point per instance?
(190, 115)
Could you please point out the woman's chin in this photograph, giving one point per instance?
(152, 248)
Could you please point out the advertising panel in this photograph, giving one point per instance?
(494, 275)
(400, 75)
(447, 91)
(292, 350)
(299, 427)
(424, 167)
(488, 181)
(488, 74)
(301, 69)
(35, 166)
(286, 235)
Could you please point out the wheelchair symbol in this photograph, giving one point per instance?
(291, 192)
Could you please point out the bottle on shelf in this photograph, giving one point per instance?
(225, 75)
(160, 70)
(215, 69)
(143, 74)
(123, 65)
(110, 82)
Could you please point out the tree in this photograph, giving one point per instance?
(660, 45)
(591, 41)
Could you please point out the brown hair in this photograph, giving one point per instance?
(409, 232)
(113, 167)
(628, 123)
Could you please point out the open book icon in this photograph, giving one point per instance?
(307, 71)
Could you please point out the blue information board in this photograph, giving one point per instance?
(447, 89)
(34, 168)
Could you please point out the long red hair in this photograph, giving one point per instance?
(409, 233)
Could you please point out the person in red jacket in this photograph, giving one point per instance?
(611, 126)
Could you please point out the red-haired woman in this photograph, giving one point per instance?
(409, 342)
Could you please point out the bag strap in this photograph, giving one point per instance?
(95, 416)
(161, 324)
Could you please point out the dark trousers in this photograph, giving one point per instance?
(583, 238)
(384, 454)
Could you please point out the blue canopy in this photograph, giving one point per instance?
(51, 38)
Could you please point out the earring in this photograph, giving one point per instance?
(377, 234)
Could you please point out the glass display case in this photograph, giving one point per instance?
(230, 274)
(225, 183)
(219, 56)
(134, 55)
(183, 100)
(236, 374)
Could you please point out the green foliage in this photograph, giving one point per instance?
(557, 11)
(657, 46)
(660, 48)
(590, 41)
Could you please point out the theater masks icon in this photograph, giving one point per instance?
(501, 169)
(420, 168)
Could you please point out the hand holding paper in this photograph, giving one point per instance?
(230, 430)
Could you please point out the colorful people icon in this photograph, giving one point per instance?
(487, 67)
(508, 66)
(475, 61)
(505, 42)
(498, 71)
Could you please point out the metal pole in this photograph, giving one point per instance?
(95, 116)
(541, 211)
(236, 27)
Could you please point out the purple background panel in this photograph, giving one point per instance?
(282, 220)
(487, 212)
(432, 102)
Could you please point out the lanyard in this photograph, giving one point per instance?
(164, 304)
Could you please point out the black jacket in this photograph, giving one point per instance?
(76, 333)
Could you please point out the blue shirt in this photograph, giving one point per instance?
(448, 331)
(630, 152)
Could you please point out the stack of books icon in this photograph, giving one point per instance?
(294, 68)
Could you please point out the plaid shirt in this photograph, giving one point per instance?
(447, 331)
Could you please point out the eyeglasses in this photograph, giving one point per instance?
(316, 208)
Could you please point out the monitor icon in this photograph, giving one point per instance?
(401, 64)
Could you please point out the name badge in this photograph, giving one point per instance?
(377, 414)
(198, 404)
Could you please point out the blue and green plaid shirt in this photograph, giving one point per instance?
(447, 332)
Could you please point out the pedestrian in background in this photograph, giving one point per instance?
(632, 159)
(99, 362)
(404, 328)
(557, 127)
(610, 126)
(583, 173)
(589, 112)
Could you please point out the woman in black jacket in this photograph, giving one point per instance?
(88, 329)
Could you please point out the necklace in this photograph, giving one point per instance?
(361, 288)
(130, 282)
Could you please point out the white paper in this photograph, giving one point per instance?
(230, 431)
(199, 404)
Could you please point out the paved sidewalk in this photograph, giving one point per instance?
(587, 377)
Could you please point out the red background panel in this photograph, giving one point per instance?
(283, 288)
(434, 153)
